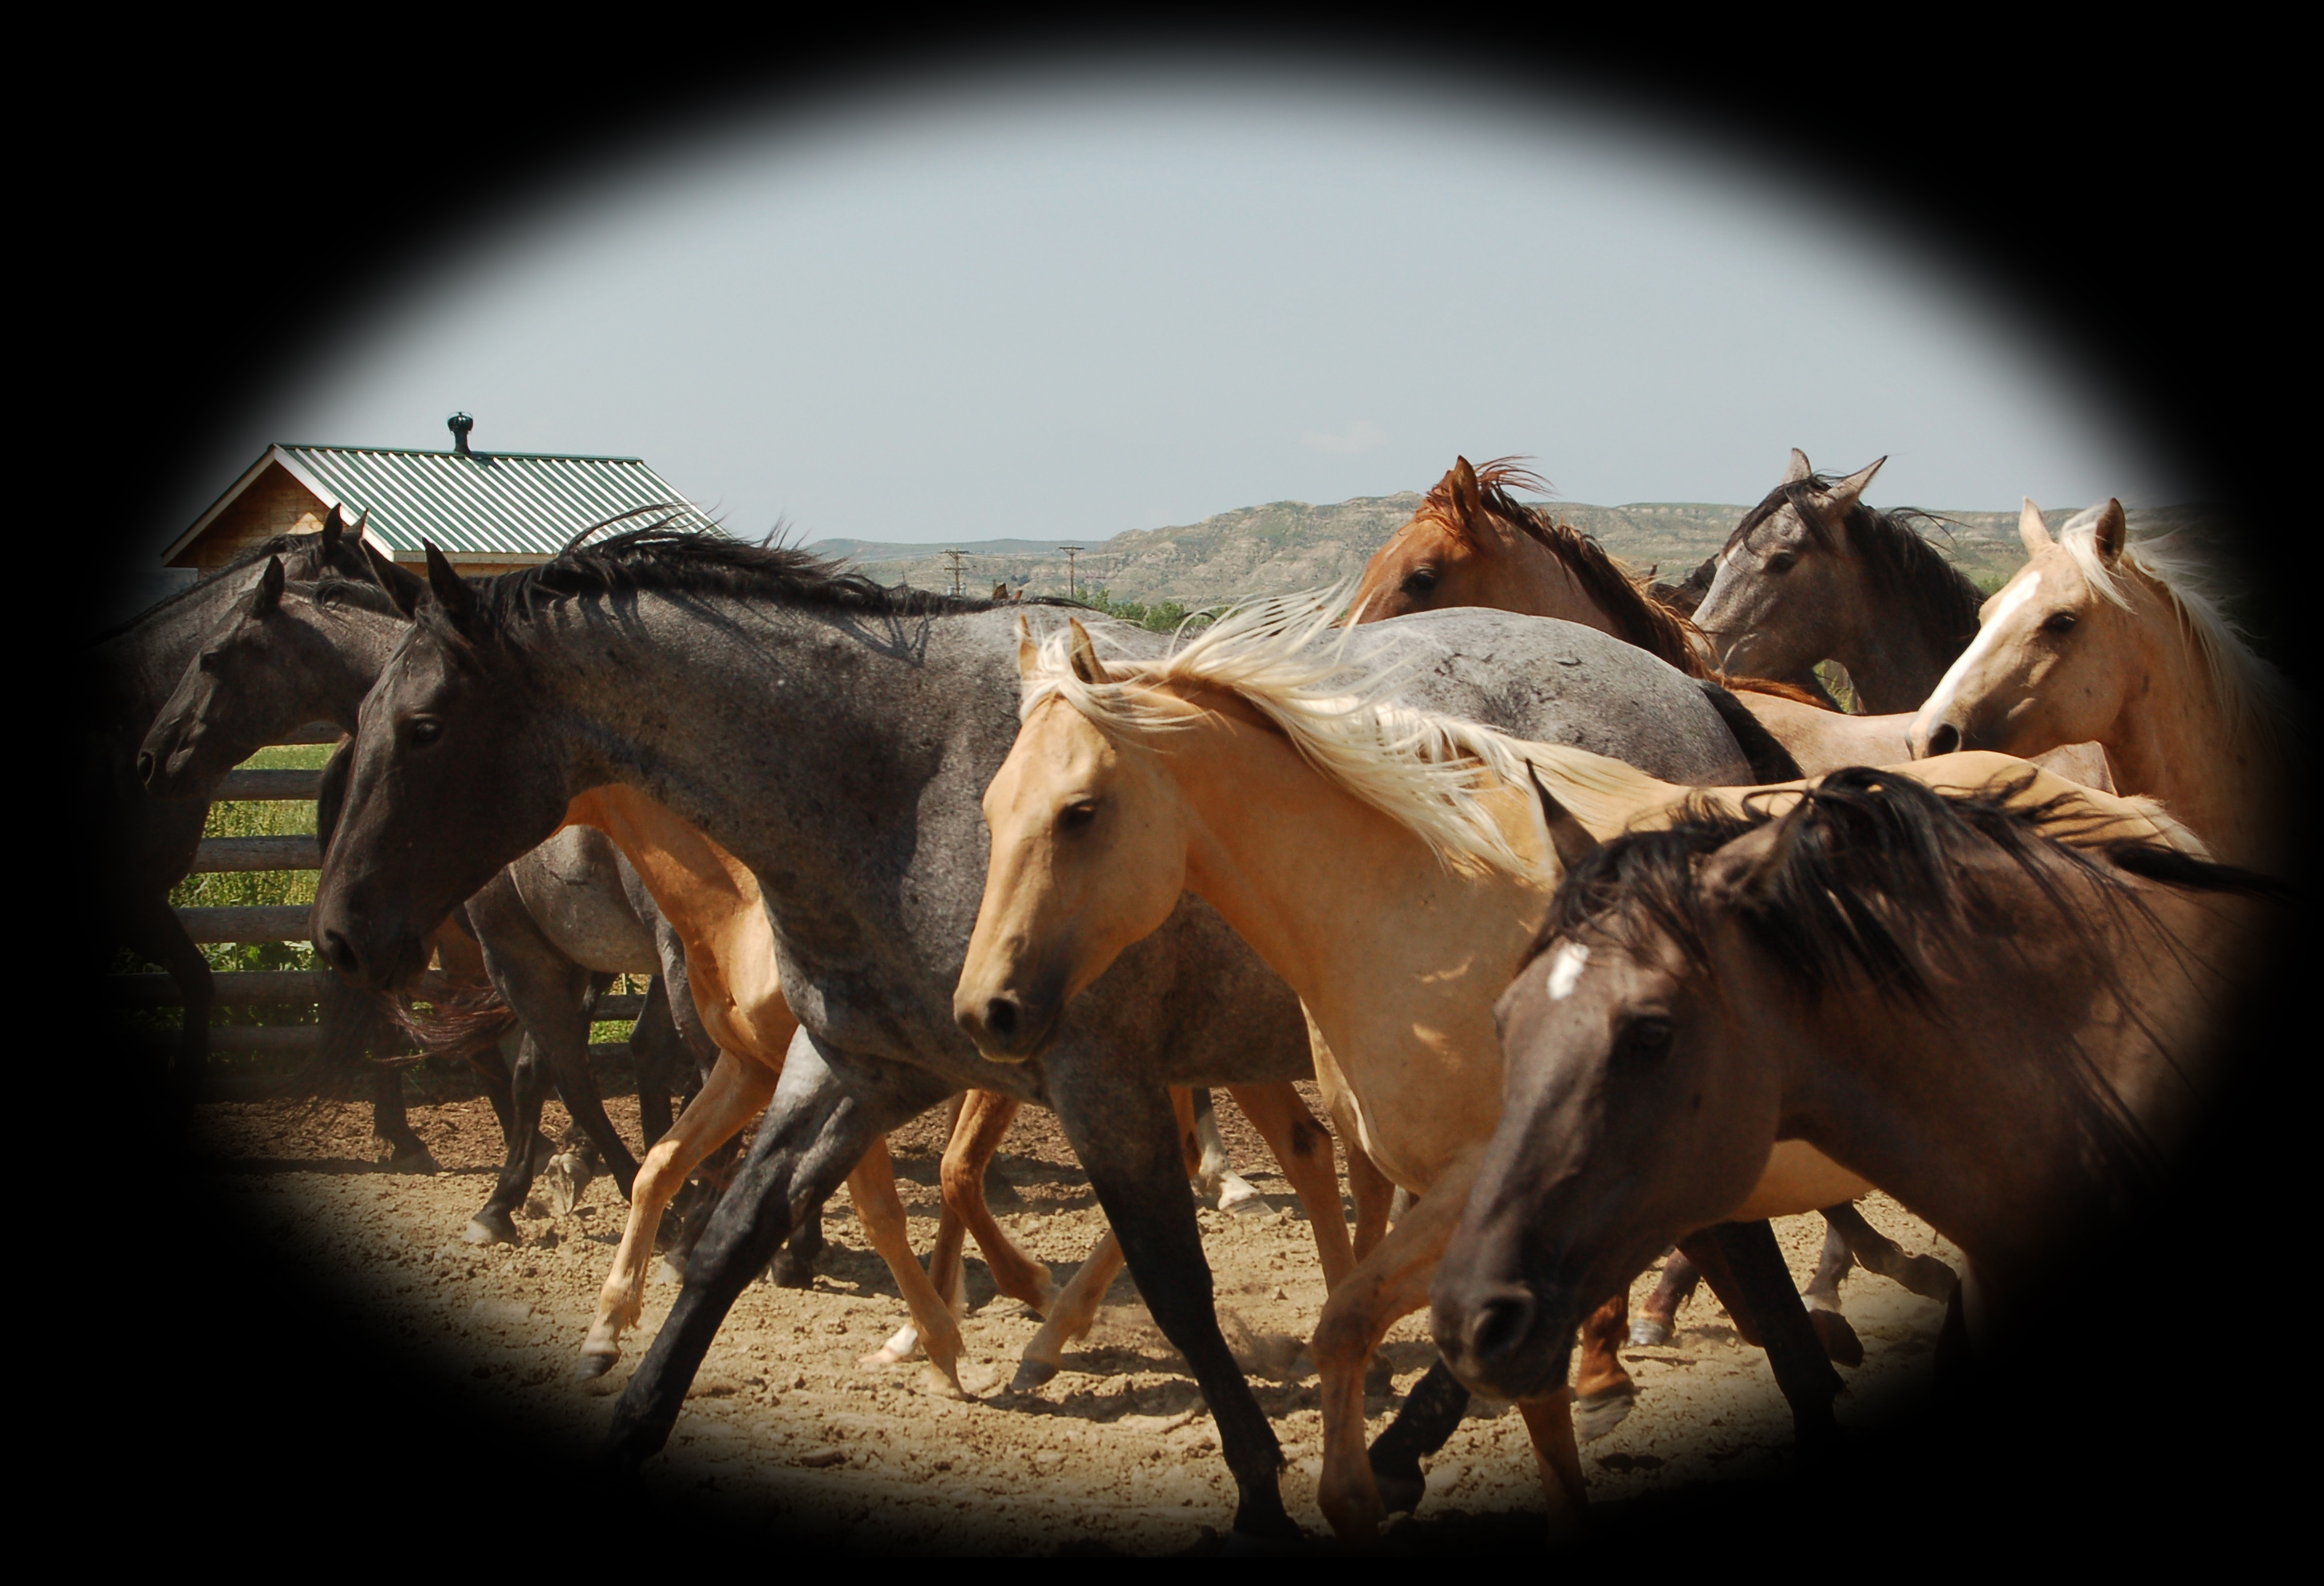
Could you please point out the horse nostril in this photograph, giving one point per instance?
(146, 766)
(1945, 739)
(337, 952)
(1501, 1327)
(1001, 1018)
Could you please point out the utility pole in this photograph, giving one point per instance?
(1072, 588)
(954, 557)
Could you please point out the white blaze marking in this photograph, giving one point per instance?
(1988, 638)
(1564, 969)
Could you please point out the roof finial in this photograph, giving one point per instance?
(459, 424)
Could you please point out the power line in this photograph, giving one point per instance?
(1072, 586)
(952, 557)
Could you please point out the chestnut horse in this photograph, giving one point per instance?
(2097, 638)
(1748, 974)
(1381, 859)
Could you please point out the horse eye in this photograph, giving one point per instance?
(1075, 817)
(1782, 561)
(210, 660)
(1420, 581)
(2060, 623)
(425, 729)
(1644, 1040)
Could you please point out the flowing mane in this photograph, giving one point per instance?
(1344, 713)
(1639, 619)
(1895, 553)
(282, 545)
(2253, 696)
(1873, 876)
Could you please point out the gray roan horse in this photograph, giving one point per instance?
(548, 927)
(1811, 574)
(837, 737)
(149, 843)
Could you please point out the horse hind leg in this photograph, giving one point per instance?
(1302, 1148)
(1657, 1319)
(1876, 1252)
(975, 1141)
(873, 1187)
(1215, 1172)
(1822, 1297)
(1071, 1314)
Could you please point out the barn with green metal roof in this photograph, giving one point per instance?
(488, 511)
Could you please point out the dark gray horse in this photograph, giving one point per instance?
(837, 737)
(548, 929)
(124, 676)
(1811, 574)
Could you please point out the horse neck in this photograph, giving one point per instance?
(139, 666)
(1539, 584)
(1890, 646)
(1339, 899)
(2053, 1096)
(2175, 739)
(352, 649)
(712, 900)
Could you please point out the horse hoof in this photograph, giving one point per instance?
(1031, 1374)
(1647, 1333)
(590, 1366)
(1600, 1412)
(897, 1349)
(1839, 1339)
(1931, 1278)
(489, 1229)
(1236, 1195)
(666, 1270)
(415, 1161)
(560, 1185)
(787, 1271)
(1400, 1495)
(936, 1384)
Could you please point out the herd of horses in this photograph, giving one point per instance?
(1602, 933)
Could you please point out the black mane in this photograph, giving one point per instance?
(685, 562)
(282, 545)
(1894, 548)
(1878, 872)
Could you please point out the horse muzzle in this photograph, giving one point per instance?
(1504, 1340)
(1006, 1026)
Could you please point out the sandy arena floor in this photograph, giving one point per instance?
(1116, 1453)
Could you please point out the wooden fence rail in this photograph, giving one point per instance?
(290, 922)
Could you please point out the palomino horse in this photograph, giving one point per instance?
(2098, 638)
(715, 903)
(1811, 574)
(1746, 974)
(1382, 858)
(834, 737)
(124, 676)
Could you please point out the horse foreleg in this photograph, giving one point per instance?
(873, 1186)
(1745, 1267)
(739, 1091)
(1071, 1315)
(1550, 1422)
(975, 1141)
(1303, 1149)
(493, 1222)
(1603, 1391)
(1391, 1282)
(945, 1266)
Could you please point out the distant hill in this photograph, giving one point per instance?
(1288, 546)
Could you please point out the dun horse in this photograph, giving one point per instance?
(1701, 990)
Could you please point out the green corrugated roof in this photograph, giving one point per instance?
(511, 502)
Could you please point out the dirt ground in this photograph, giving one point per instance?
(1116, 1453)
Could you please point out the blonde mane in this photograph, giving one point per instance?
(1288, 660)
(2253, 696)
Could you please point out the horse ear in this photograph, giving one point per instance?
(1572, 839)
(1086, 666)
(1850, 490)
(2031, 531)
(448, 589)
(334, 526)
(1465, 493)
(267, 593)
(1799, 472)
(2112, 533)
(401, 587)
(1028, 654)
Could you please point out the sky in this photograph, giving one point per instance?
(1062, 307)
